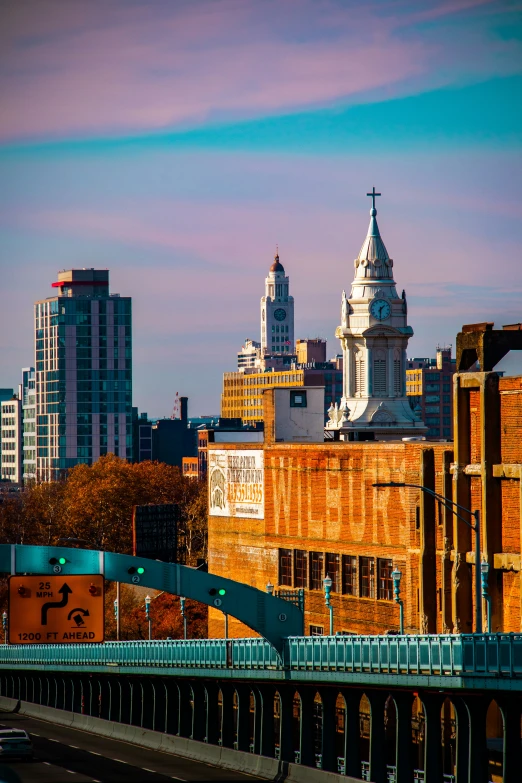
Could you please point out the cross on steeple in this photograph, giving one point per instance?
(373, 195)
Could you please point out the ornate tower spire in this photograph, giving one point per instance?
(374, 335)
(373, 259)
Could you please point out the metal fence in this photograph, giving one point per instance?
(443, 655)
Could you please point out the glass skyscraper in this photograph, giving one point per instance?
(83, 363)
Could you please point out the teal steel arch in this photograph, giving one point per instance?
(273, 618)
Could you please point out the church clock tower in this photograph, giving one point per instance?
(374, 335)
(277, 312)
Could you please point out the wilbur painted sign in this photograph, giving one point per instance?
(236, 483)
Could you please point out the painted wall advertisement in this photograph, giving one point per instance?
(236, 483)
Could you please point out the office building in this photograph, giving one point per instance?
(429, 387)
(83, 366)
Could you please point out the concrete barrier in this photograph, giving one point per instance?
(261, 766)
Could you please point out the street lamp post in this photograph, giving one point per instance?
(327, 584)
(484, 573)
(396, 576)
(451, 506)
(182, 600)
(148, 599)
(4, 626)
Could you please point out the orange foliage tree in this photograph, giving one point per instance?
(94, 504)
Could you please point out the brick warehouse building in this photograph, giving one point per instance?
(289, 512)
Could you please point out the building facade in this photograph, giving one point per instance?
(11, 456)
(319, 513)
(242, 395)
(429, 385)
(83, 363)
(28, 398)
(374, 334)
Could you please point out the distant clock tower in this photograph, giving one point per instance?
(374, 336)
(277, 312)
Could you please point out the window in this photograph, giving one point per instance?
(298, 399)
(359, 374)
(316, 630)
(384, 580)
(367, 577)
(379, 376)
(349, 572)
(332, 569)
(300, 563)
(285, 567)
(316, 570)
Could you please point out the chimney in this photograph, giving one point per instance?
(183, 403)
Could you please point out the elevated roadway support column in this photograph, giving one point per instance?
(511, 707)
(352, 732)
(171, 707)
(160, 711)
(228, 729)
(243, 717)
(329, 729)
(266, 734)
(478, 750)
(258, 708)
(432, 704)
(198, 711)
(462, 744)
(377, 701)
(184, 708)
(286, 723)
(213, 728)
(306, 725)
(403, 760)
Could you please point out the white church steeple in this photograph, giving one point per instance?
(374, 336)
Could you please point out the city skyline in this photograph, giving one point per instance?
(183, 173)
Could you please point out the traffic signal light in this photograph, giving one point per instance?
(133, 570)
(92, 589)
(21, 590)
(57, 561)
(214, 590)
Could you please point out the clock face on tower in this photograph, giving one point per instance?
(280, 314)
(380, 309)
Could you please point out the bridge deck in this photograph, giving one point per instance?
(491, 661)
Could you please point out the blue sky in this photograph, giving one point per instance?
(176, 144)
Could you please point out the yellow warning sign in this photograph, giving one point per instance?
(56, 609)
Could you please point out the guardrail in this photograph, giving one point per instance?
(446, 655)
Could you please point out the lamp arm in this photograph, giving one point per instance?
(449, 504)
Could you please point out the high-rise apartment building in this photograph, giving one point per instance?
(83, 343)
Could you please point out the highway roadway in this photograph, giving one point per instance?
(65, 755)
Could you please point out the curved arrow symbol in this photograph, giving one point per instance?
(85, 613)
(65, 590)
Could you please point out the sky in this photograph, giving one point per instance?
(177, 143)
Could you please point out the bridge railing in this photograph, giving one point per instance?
(473, 654)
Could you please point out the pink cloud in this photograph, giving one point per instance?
(98, 67)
